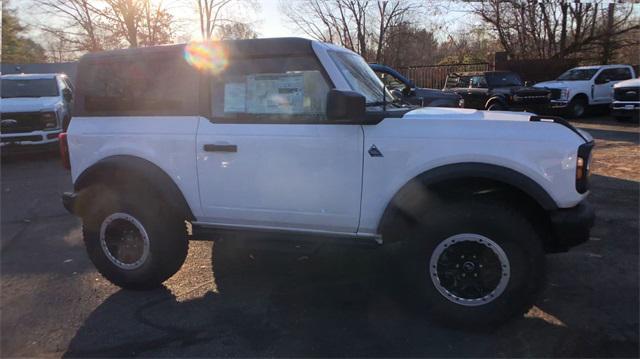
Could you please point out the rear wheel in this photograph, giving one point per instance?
(475, 264)
(134, 244)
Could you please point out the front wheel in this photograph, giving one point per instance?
(577, 107)
(475, 265)
(496, 106)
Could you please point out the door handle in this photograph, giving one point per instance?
(220, 148)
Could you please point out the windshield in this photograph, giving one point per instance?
(578, 75)
(360, 76)
(29, 88)
(503, 79)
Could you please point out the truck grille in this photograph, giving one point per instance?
(626, 94)
(17, 122)
(555, 94)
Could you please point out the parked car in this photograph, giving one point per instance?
(577, 89)
(497, 91)
(35, 109)
(626, 100)
(402, 87)
(305, 148)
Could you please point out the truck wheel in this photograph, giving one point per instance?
(577, 107)
(135, 245)
(475, 265)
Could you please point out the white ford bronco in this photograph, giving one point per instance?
(577, 89)
(293, 138)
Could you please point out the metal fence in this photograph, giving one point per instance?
(434, 76)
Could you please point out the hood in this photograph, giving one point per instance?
(628, 83)
(28, 104)
(448, 113)
(562, 84)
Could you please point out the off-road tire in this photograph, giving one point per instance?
(501, 223)
(166, 231)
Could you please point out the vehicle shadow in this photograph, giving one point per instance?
(317, 302)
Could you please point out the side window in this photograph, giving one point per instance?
(621, 73)
(291, 89)
(138, 86)
(607, 74)
(478, 82)
(463, 81)
(390, 81)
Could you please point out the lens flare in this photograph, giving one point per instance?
(206, 56)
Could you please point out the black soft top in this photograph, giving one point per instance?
(284, 46)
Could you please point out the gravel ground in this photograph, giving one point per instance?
(307, 301)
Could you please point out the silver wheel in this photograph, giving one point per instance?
(124, 241)
(469, 269)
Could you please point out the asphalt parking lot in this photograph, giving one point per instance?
(316, 301)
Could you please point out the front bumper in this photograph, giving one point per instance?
(570, 227)
(558, 104)
(34, 138)
(625, 109)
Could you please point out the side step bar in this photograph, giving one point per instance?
(213, 231)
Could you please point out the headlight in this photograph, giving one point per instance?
(564, 94)
(49, 119)
(516, 98)
(461, 103)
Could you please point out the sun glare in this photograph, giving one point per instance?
(206, 56)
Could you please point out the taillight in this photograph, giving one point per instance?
(583, 164)
(64, 150)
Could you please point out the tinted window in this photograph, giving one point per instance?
(615, 74)
(478, 82)
(29, 88)
(503, 79)
(137, 85)
(390, 81)
(286, 89)
(454, 81)
(578, 75)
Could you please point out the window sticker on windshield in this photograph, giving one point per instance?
(235, 97)
(275, 93)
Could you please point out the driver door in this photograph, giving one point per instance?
(268, 157)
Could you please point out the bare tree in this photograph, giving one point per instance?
(540, 29)
(80, 27)
(236, 31)
(359, 25)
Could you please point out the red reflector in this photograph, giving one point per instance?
(64, 150)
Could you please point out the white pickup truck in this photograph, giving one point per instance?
(577, 89)
(35, 109)
(292, 138)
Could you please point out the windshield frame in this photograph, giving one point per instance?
(13, 91)
(374, 94)
(593, 75)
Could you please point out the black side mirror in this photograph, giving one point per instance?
(345, 106)
(407, 90)
(67, 95)
(602, 80)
